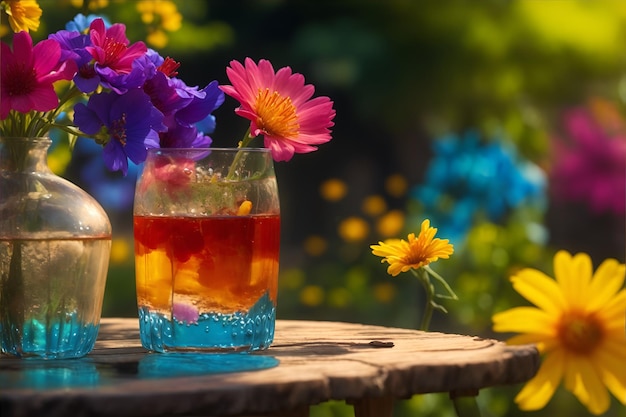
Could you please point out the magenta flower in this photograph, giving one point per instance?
(279, 107)
(27, 75)
(590, 165)
(118, 64)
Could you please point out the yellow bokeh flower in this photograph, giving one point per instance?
(121, 250)
(315, 245)
(333, 189)
(353, 229)
(417, 252)
(93, 4)
(160, 16)
(396, 185)
(374, 205)
(384, 292)
(390, 224)
(157, 38)
(312, 295)
(578, 324)
(23, 15)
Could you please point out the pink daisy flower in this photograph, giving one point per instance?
(279, 107)
(111, 47)
(27, 75)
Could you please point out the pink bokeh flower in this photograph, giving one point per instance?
(279, 107)
(28, 75)
(590, 163)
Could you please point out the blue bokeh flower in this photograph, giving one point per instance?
(470, 179)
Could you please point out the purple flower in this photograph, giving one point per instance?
(183, 107)
(180, 136)
(74, 46)
(130, 123)
(201, 107)
(165, 97)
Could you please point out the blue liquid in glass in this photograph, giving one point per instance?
(239, 331)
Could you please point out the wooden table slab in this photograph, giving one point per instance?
(310, 362)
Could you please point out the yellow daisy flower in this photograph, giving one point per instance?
(23, 15)
(415, 253)
(578, 324)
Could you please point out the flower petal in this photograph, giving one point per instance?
(539, 289)
(573, 273)
(606, 282)
(524, 320)
(538, 391)
(610, 361)
(585, 383)
(614, 313)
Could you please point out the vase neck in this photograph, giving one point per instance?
(24, 154)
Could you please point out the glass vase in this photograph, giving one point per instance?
(55, 242)
(207, 231)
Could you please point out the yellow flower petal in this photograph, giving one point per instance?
(614, 313)
(616, 386)
(542, 342)
(611, 363)
(573, 275)
(585, 383)
(539, 289)
(23, 15)
(524, 320)
(607, 281)
(538, 391)
(616, 348)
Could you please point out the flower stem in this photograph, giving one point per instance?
(423, 275)
(451, 295)
(247, 138)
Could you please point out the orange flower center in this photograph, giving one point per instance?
(276, 115)
(580, 333)
(418, 253)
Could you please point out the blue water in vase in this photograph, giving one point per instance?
(53, 339)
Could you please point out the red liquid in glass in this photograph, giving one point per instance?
(218, 264)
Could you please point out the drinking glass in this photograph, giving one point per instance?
(207, 231)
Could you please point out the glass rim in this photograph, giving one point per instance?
(209, 149)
